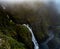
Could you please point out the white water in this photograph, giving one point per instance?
(36, 46)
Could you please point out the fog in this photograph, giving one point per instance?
(42, 16)
(56, 2)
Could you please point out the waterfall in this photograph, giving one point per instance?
(36, 46)
(44, 44)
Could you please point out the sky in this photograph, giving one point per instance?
(57, 2)
(30, 0)
(58, 5)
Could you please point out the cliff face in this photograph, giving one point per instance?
(12, 18)
(12, 35)
(35, 17)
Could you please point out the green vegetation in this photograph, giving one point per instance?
(9, 43)
(13, 35)
(10, 25)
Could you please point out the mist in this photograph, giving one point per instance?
(30, 24)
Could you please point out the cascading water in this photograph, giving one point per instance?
(44, 44)
(36, 46)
